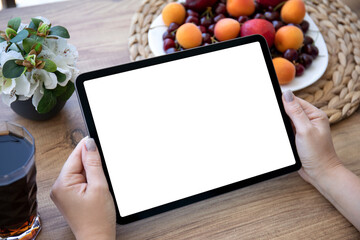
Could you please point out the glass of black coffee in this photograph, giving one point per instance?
(19, 218)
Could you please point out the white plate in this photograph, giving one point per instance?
(310, 76)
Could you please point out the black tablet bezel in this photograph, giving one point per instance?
(86, 111)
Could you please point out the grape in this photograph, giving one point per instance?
(306, 60)
(219, 17)
(291, 55)
(311, 50)
(206, 21)
(300, 69)
(270, 8)
(190, 12)
(296, 25)
(271, 16)
(259, 16)
(173, 26)
(202, 29)
(205, 44)
(275, 52)
(211, 29)
(192, 19)
(304, 26)
(258, 7)
(315, 51)
(277, 24)
(199, 5)
(170, 50)
(220, 9)
(169, 43)
(168, 34)
(308, 40)
(206, 38)
(223, 1)
(177, 45)
(243, 19)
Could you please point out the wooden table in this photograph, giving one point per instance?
(282, 208)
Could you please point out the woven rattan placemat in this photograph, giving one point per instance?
(337, 92)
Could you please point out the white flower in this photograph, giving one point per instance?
(9, 56)
(63, 55)
(32, 84)
(8, 98)
(8, 86)
(37, 97)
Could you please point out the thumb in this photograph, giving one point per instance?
(92, 164)
(295, 111)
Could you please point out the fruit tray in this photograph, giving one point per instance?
(337, 92)
(311, 75)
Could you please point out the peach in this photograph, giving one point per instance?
(189, 35)
(237, 8)
(173, 12)
(293, 11)
(226, 29)
(288, 37)
(285, 70)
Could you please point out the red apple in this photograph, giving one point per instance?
(272, 3)
(259, 26)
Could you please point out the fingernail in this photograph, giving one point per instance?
(288, 96)
(90, 145)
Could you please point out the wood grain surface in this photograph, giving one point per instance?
(281, 208)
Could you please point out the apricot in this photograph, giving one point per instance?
(288, 37)
(226, 29)
(285, 70)
(173, 12)
(189, 35)
(293, 11)
(237, 8)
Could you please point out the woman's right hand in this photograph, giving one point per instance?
(313, 138)
(320, 165)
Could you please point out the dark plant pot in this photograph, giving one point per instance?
(27, 110)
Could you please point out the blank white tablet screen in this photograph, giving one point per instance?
(180, 128)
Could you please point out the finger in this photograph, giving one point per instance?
(311, 111)
(92, 165)
(73, 164)
(295, 111)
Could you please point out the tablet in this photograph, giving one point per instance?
(183, 127)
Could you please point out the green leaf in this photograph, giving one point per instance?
(2, 40)
(59, 90)
(60, 76)
(59, 31)
(14, 23)
(47, 102)
(38, 48)
(37, 38)
(35, 23)
(50, 66)
(12, 70)
(30, 30)
(32, 26)
(10, 33)
(28, 43)
(69, 91)
(20, 36)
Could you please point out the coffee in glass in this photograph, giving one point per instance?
(18, 205)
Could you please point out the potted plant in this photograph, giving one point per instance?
(37, 67)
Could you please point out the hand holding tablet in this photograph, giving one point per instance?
(179, 128)
(321, 166)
